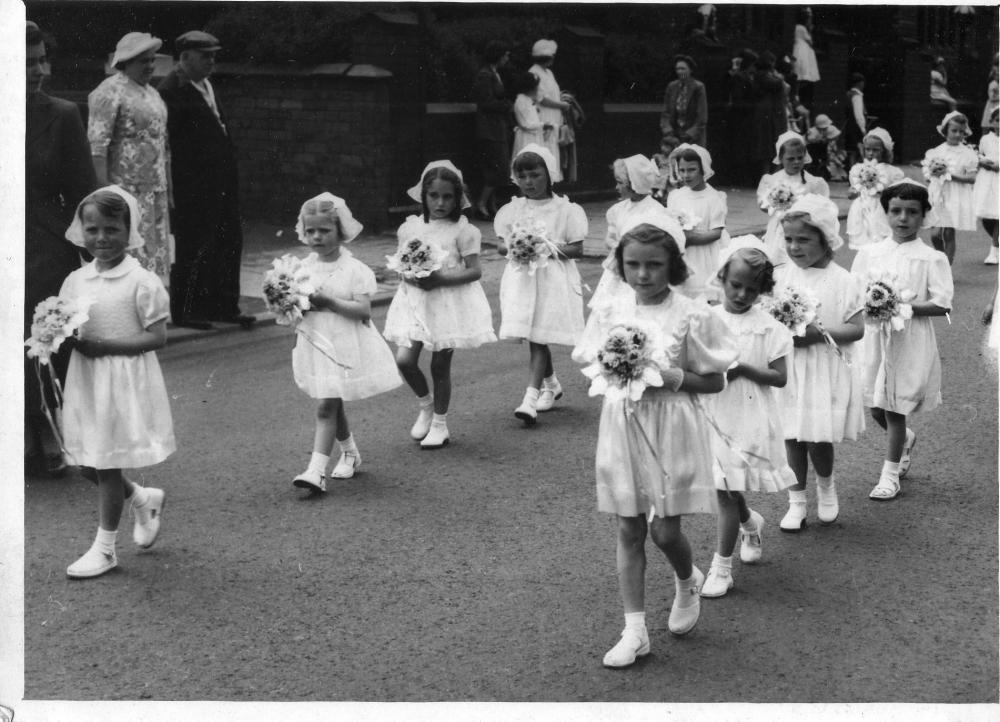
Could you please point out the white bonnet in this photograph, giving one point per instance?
(544, 48)
(660, 219)
(703, 155)
(416, 192)
(784, 138)
(943, 127)
(74, 234)
(329, 205)
(883, 135)
(642, 173)
(822, 214)
(551, 165)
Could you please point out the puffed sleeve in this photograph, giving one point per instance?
(363, 281)
(151, 301)
(103, 103)
(469, 241)
(853, 296)
(859, 268)
(409, 229)
(525, 114)
(611, 217)
(718, 211)
(576, 224)
(818, 186)
(709, 344)
(778, 341)
(940, 285)
(762, 190)
(68, 288)
(893, 173)
(970, 160)
(504, 219)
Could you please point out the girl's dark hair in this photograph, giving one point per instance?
(855, 79)
(647, 233)
(525, 82)
(790, 141)
(33, 36)
(686, 59)
(757, 261)
(326, 208)
(792, 216)
(690, 156)
(109, 205)
(749, 58)
(804, 15)
(766, 60)
(493, 52)
(447, 175)
(906, 192)
(531, 161)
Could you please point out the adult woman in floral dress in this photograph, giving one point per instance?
(127, 131)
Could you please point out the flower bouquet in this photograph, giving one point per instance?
(631, 359)
(55, 320)
(795, 309)
(287, 287)
(416, 259)
(780, 198)
(936, 168)
(887, 302)
(687, 221)
(867, 178)
(528, 246)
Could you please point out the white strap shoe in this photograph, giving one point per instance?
(349, 462)
(683, 619)
(311, 480)
(423, 423)
(827, 506)
(631, 646)
(92, 564)
(147, 518)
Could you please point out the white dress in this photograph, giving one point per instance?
(866, 220)
(902, 369)
(748, 412)
(709, 207)
(529, 123)
(549, 88)
(951, 200)
(774, 236)
(659, 456)
(986, 191)
(806, 67)
(822, 400)
(448, 316)
(116, 414)
(364, 364)
(545, 306)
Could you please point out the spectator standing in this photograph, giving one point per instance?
(205, 280)
(739, 115)
(685, 105)
(856, 119)
(492, 126)
(550, 102)
(806, 67)
(939, 86)
(992, 103)
(770, 116)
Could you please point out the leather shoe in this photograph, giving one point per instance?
(200, 324)
(239, 318)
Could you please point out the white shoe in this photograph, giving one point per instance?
(311, 480)
(886, 489)
(147, 519)
(423, 423)
(629, 647)
(751, 543)
(527, 411)
(548, 396)
(349, 462)
(717, 583)
(683, 619)
(92, 564)
(437, 437)
(794, 519)
(908, 444)
(827, 508)
(993, 258)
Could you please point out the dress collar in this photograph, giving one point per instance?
(128, 264)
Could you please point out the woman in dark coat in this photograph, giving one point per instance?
(58, 174)
(493, 109)
(770, 115)
(685, 105)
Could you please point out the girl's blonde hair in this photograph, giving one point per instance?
(808, 220)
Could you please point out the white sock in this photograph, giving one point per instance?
(824, 481)
(105, 540)
(347, 445)
(139, 497)
(748, 525)
(683, 586)
(635, 621)
(891, 469)
(550, 382)
(318, 462)
(440, 419)
(425, 401)
(531, 394)
(722, 562)
(795, 495)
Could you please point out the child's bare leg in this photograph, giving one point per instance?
(441, 376)
(798, 461)
(328, 412)
(667, 535)
(111, 496)
(407, 359)
(540, 364)
(686, 608)
(631, 557)
(728, 521)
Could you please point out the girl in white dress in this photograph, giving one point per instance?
(528, 127)
(790, 153)
(696, 199)
(747, 410)
(821, 402)
(866, 221)
(986, 191)
(952, 199)
(902, 369)
(339, 356)
(116, 413)
(545, 305)
(635, 177)
(445, 310)
(654, 459)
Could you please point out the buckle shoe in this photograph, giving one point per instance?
(311, 480)
(683, 619)
(904, 460)
(437, 437)
(348, 463)
(794, 519)
(147, 518)
(423, 423)
(92, 564)
(717, 583)
(631, 646)
(827, 507)
(751, 543)
(885, 490)
(548, 396)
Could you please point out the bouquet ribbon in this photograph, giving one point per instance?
(49, 413)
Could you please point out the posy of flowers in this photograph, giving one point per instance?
(55, 320)
(528, 245)
(631, 359)
(887, 302)
(868, 178)
(287, 287)
(780, 198)
(416, 259)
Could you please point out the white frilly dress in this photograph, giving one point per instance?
(364, 363)
(986, 190)
(545, 306)
(952, 201)
(659, 456)
(866, 220)
(822, 400)
(116, 414)
(445, 317)
(774, 236)
(709, 207)
(748, 412)
(902, 369)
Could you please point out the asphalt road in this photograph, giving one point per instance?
(483, 572)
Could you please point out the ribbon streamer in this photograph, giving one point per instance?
(50, 414)
(320, 344)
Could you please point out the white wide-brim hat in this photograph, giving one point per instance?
(335, 207)
(942, 129)
(703, 155)
(659, 219)
(822, 214)
(132, 45)
(544, 48)
(883, 135)
(74, 234)
(784, 138)
(642, 173)
(551, 165)
(416, 192)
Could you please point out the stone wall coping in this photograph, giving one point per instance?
(349, 70)
(450, 108)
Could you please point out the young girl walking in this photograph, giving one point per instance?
(340, 356)
(790, 153)
(116, 413)
(952, 198)
(866, 221)
(543, 306)
(822, 402)
(747, 410)
(902, 369)
(654, 459)
(986, 191)
(699, 201)
(445, 310)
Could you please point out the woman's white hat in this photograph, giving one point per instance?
(822, 214)
(784, 138)
(551, 165)
(414, 192)
(642, 173)
(74, 234)
(659, 219)
(327, 204)
(132, 45)
(883, 135)
(703, 155)
(942, 129)
(544, 49)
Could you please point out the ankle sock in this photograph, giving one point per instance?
(748, 525)
(425, 401)
(550, 382)
(635, 621)
(318, 463)
(797, 496)
(825, 481)
(440, 419)
(105, 540)
(347, 445)
(891, 469)
(139, 497)
(531, 394)
(684, 586)
(722, 562)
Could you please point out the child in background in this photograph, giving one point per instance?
(544, 307)
(824, 143)
(902, 369)
(339, 318)
(666, 181)
(447, 309)
(747, 410)
(866, 221)
(529, 127)
(986, 191)
(952, 199)
(698, 200)
(822, 399)
(116, 413)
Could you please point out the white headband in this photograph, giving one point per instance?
(703, 155)
(331, 205)
(416, 192)
(822, 214)
(74, 234)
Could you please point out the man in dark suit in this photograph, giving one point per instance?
(205, 278)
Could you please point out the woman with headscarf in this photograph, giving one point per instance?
(685, 105)
(549, 97)
(128, 141)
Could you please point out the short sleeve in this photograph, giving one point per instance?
(859, 268)
(718, 211)
(504, 219)
(762, 189)
(894, 174)
(469, 241)
(103, 105)
(853, 296)
(940, 284)
(151, 301)
(819, 186)
(710, 345)
(778, 342)
(576, 224)
(409, 229)
(363, 281)
(68, 288)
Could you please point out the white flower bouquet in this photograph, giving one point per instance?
(792, 307)
(936, 167)
(631, 359)
(686, 220)
(528, 245)
(887, 302)
(416, 259)
(780, 198)
(867, 178)
(56, 319)
(287, 287)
